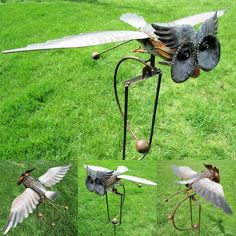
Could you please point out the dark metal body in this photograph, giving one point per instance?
(30, 182)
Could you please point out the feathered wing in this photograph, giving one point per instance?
(137, 179)
(173, 37)
(132, 19)
(53, 175)
(212, 192)
(21, 207)
(120, 170)
(184, 172)
(193, 20)
(84, 40)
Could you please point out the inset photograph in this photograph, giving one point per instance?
(117, 198)
(196, 198)
(38, 197)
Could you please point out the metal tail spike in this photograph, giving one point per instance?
(149, 70)
(119, 190)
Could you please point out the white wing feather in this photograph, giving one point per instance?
(54, 175)
(212, 192)
(120, 170)
(137, 179)
(95, 168)
(184, 172)
(132, 19)
(21, 207)
(83, 40)
(193, 20)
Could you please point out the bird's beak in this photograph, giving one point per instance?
(209, 167)
(28, 171)
(20, 180)
(196, 72)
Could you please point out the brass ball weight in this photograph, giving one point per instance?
(142, 146)
(114, 221)
(95, 55)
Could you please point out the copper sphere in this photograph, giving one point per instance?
(53, 224)
(66, 208)
(195, 226)
(40, 215)
(166, 200)
(95, 55)
(140, 185)
(170, 217)
(114, 221)
(142, 146)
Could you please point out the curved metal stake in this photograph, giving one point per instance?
(149, 71)
(194, 227)
(122, 199)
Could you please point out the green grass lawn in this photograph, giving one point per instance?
(139, 210)
(214, 220)
(60, 104)
(67, 195)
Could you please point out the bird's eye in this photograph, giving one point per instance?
(184, 54)
(207, 43)
(98, 181)
(89, 179)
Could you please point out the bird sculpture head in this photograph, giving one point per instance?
(192, 50)
(21, 178)
(215, 172)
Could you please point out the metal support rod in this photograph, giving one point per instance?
(154, 113)
(108, 211)
(125, 120)
(122, 200)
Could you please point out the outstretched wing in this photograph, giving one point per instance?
(173, 37)
(137, 180)
(193, 20)
(212, 192)
(84, 40)
(184, 172)
(54, 175)
(21, 207)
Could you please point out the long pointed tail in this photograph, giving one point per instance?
(51, 195)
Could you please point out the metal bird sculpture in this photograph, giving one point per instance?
(176, 42)
(206, 184)
(34, 194)
(100, 179)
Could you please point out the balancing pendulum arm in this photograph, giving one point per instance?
(197, 227)
(115, 222)
(149, 70)
(56, 210)
(194, 227)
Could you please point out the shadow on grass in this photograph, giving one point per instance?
(219, 223)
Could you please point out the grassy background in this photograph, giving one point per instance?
(214, 220)
(139, 210)
(60, 104)
(67, 195)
